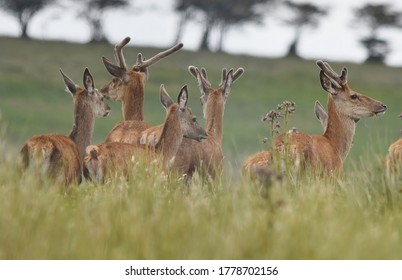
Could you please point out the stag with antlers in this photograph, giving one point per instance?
(207, 154)
(117, 156)
(328, 151)
(128, 87)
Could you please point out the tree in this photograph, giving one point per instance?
(220, 15)
(238, 12)
(185, 9)
(303, 15)
(93, 11)
(24, 11)
(375, 17)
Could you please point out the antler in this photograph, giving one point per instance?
(326, 68)
(238, 73)
(142, 64)
(204, 73)
(118, 52)
(201, 76)
(234, 75)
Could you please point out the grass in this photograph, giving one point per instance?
(355, 216)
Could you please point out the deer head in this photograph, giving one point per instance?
(123, 75)
(87, 97)
(347, 101)
(186, 120)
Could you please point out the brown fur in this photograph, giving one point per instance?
(115, 156)
(128, 87)
(207, 154)
(59, 156)
(102, 160)
(327, 152)
(394, 157)
(132, 100)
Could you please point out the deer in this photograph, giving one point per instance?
(326, 152)
(207, 154)
(262, 160)
(128, 86)
(59, 156)
(393, 159)
(179, 123)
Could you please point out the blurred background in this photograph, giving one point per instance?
(331, 29)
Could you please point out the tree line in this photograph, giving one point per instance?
(222, 15)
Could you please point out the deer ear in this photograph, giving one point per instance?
(115, 70)
(328, 84)
(321, 114)
(183, 98)
(72, 88)
(165, 98)
(88, 81)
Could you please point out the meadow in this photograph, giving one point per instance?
(355, 216)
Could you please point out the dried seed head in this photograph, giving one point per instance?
(291, 109)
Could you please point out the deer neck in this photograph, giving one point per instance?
(214, 118)
(170, 140)
(340, 129)
(83, 127)
(133, 100)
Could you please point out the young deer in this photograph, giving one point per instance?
(207, 154)
(394, 157)
(60, 156)
(179, 122)
(345, 108)
(128, 86)
(263, 159)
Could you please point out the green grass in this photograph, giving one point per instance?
(355, 216)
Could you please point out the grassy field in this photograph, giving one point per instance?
(355, 216)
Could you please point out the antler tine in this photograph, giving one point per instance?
(344, 75)
(238, 73)
(326, 68)
(204, 73)
(192, 70)
(146, 63)
(202, 81)
(224, 76)
(118, 52)
(140, 59)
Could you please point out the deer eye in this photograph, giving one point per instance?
(354, 96)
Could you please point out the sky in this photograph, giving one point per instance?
(153, 23)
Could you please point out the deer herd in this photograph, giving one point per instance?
(179, 142)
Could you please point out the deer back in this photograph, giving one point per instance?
(394, 157)
(116, 156)
(59, 156)
(108, 159)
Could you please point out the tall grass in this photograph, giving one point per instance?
(357, 215)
